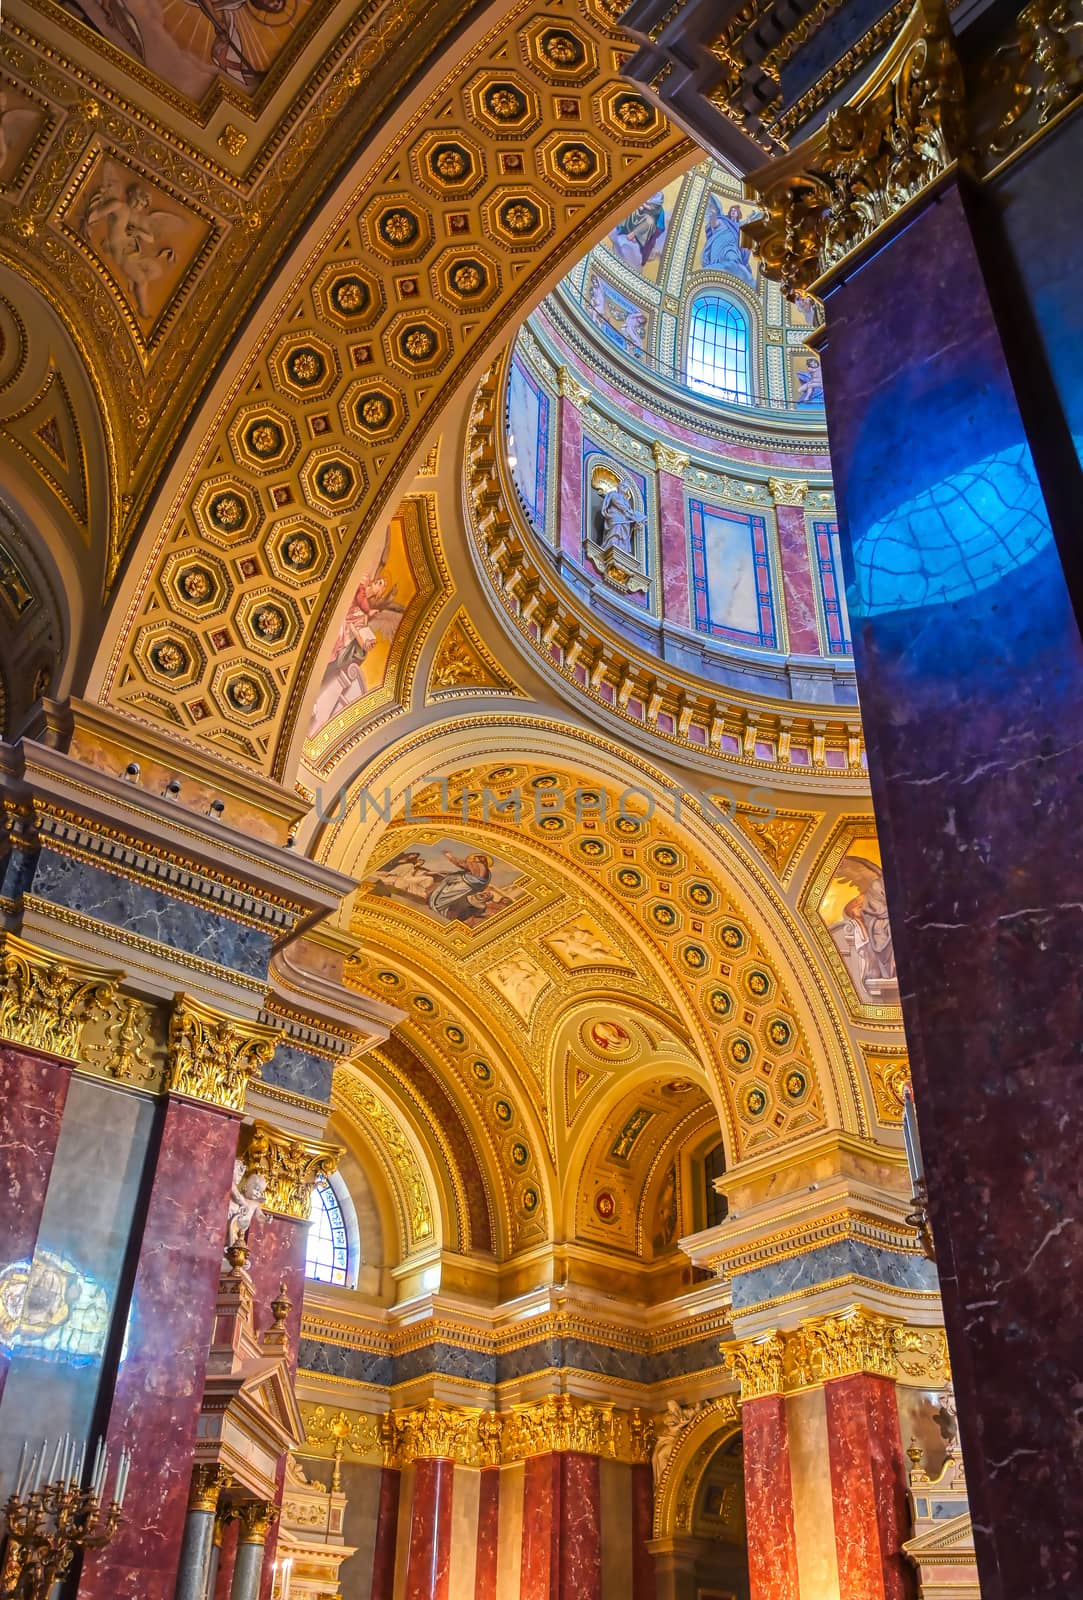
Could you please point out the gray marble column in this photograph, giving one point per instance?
(256, 1518)
(195, 1555)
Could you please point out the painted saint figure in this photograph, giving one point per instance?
(723, 250)
(640, 237)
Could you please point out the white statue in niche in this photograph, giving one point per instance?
(674, 1422)
(246, 1198)
(616, 542)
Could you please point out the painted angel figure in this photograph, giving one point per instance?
(374, 614)
(865, 920)
(135, 237)
(13, 120)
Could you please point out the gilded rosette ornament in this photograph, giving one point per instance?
(290, 1167)
(213, 1057)
(757, 1364)
(872, 156)
(45, 1002)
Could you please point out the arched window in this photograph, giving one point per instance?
(718, 349)
(328, 1259)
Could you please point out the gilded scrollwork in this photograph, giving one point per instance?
(871, 158)
(757, 1365)
(398, 1150)
(212, 1057)
(1034, 75)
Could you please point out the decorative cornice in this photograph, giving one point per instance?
(290, 1166)
(473, 1436)
(213, 1057)
(821, 1349)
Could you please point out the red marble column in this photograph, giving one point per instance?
(277, 1258)
(159, 1386)
(223, 1581)
(868, 1488)
(772, 1544)
(562, 1528)
(485, 1570)
(797, 581)
(33, 1090)
(428, 1567)
(673, 528)
(643, 1574)
(387, 1529)
(572, 512)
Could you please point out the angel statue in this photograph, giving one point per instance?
(676, 1419)
(135, 237)
(374, 614)
(246, 1196)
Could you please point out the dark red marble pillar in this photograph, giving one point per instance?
(486, 1567)
(428, 1568)
(772, 1544)
(562, 1528)
(673, 527)
(797, 581)
(159, 1386)
(868, 1489)
(387, 1530)
(33, 1090)
(223, 1580)
(959, 489)
(643, 1574)
(277, 1260)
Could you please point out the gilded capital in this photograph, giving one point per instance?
(874, 155)
(856, 1341)
(666, 459)
(757, 1364)
(435, 1431)
(44, 1002)
(289, 1167)
(256, 1519)
(206, 1487)
(787, 491)
(213, 1057)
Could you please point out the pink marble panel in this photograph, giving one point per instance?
(572, 511)
(224, 1578)
(676, 597)
(541, 1523)
(485, 1571)
(579, 1534)
(868, 1489)
(33, 1090)
(428, 1571)
(772, 1545)
(159, 1387)
(387, 1529)
(277, 1246)
(797, 581)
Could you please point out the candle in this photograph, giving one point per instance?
(21, 1469)
(82, 1463)
(913, 1143)
(122, 1477)
(32, 1471)
(53, 1470)
(97, 1463)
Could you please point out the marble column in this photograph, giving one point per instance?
(227, 1555)
(159, 1385)
(387, 1529)
(772, 1546)
(33, 1089)
(868, 1488)
(486, 1570)
(673, 531)
(255, 1518)
(194, 1568)
(959, 488)
(428, 1567)
(562, 1533)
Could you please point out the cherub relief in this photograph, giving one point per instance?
(135, 237)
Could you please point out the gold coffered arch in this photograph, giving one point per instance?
(492, 181)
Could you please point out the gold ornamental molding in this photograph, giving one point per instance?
(290, 1167)
(207, 1485)
(471, 1436)
(45, 1003)
(841, 1345)
(901, 132)
(212, 1057)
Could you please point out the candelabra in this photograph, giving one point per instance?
(50, 1517)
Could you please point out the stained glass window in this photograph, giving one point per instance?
(328, 1258)
(718, 349)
